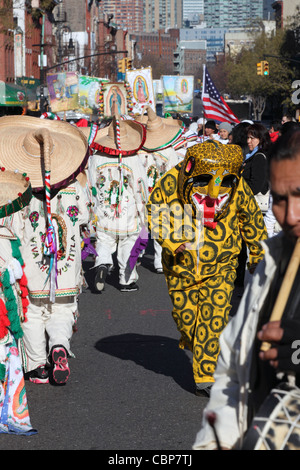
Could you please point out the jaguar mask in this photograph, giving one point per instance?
(208, 178)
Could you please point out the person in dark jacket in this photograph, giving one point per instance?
(255, 162)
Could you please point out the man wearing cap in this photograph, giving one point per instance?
(199, 211)
(52, 153)
(119, 184)
(210, 132)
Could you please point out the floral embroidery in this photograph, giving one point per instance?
(152, 177)
(100, 181)
(73, 212)
(34, 217)
(126, 181)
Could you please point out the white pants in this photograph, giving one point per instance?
(107, 245)
(157, 255)
(47, 325)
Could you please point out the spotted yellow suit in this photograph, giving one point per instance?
(201, 279)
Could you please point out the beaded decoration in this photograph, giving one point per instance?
(21, 201)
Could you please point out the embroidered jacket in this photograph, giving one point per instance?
(157, 164)
(69, 210)
(121, 193)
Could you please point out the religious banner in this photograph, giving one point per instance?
(89, 90)
(63, 91)
(178, 93)
(113, 100)
(142, 91)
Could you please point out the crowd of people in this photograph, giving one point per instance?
(209, 195)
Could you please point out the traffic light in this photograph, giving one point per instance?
(265, 67)
(128, 63)
(259, 68)
(121, 65)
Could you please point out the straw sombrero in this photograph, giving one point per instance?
(161, 134)
(121, 137)
(22, 146)
(173, 122)
(143, 118)
(15, 191)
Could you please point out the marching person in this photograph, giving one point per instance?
(199, 211)
(52, 153)
(119, 182)
(210, 132)
(246, 372)
(16, 193)
(255, 163)
(158, 155)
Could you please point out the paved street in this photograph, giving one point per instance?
(130, 388)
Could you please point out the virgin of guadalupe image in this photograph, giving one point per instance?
(184, 86)
(115, 100)
(140, 89)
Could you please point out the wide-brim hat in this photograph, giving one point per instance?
(143, 118)
(173, 122)
(120, 137)
(22, 146)
(15, 191)
(160, 134)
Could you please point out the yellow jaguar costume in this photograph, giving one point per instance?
(205, 207)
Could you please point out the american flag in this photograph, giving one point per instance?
(213, 104)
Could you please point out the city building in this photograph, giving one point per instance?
(232, 13)
(214, 38)
(189, 58)
(193, 11)
(162, 14)
(127, 14)
(155, 49)
(284, 11)
(240, 39)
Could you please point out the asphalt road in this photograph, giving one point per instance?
(130, 388)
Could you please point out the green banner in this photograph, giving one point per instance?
(28, 82)
(12, 95)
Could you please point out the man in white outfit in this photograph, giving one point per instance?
(119, 182)
(158, 156)
(52, 153)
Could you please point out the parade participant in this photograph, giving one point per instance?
(118, 179)
(246, 372)
(158, 155)
(188, 139)
(255, 163)
(274, 130)
(224, 130)
(255, 168)
(52, 153)
(15, 194)
(200, 257)
(210, 132)
(88, 232)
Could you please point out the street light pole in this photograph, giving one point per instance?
(42, 96)
(85, 57)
